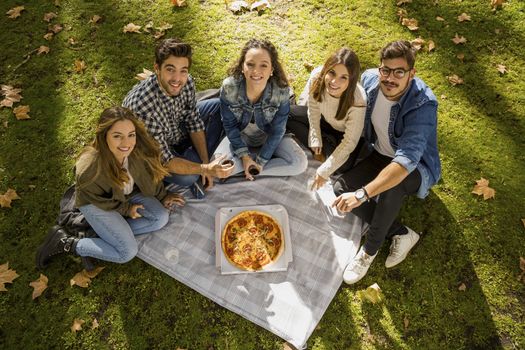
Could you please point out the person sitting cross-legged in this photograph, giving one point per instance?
(401, 124)
(119, 189)
(187, 131)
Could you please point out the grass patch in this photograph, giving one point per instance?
(465, 240)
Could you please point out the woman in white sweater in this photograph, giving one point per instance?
(332, 122)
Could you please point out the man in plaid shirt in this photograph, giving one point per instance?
(187, 131)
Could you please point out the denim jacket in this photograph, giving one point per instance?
(412, 128)
(270, 114)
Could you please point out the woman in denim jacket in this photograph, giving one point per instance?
(254, 109)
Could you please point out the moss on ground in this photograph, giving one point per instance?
(465, 239)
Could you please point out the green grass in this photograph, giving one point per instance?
(465, 239)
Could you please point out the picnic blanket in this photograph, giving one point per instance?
(288, 303)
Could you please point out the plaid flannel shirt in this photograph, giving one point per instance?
(169, 119)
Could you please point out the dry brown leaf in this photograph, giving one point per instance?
(496, 3)
(179, 3)
(49, 16)
(260, 5)
(497, 30)
(239, 6)
(15, 12)
(459, 39)
(11, 94)
(83, 278)
(148, 26)
(39, 286)
(131, 28)
(6, 124)
(71, 41)
(144, 75)
(502, 69)
(57, 3)
(21, 112)
(77, 325)
(410, 23)
(455, 80)
(94, 324)
(406, 322)
(463, 17)
(418, 43)
(158, 35)
(309, 66)
(7, 197)
(372, 293)
(401, 13)
(6, 276)
(460, 56)
(288, 346)
(55, 28)
(440, 19)
(462, 287)
(48, 36)
(402, 2)
(523, 222)
(93, 273)
(164, 27)
(95, 19)
(482, 188)
(431, 45)
(80, 66)
(43, 49)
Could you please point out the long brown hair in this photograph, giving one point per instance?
(146, 148)
(349, 59)
(279, 76)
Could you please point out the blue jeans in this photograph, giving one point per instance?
(288, 158)
(116, 242)
(209, 111)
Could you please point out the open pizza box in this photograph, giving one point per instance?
(278, 212)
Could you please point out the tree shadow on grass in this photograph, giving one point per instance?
(425, 305)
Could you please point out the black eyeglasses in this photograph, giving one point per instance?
(398, 72)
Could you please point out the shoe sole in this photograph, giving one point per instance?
(50, 235)
(404, 257)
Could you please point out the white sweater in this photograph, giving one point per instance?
(352, 125)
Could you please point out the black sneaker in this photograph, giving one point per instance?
(58, 241)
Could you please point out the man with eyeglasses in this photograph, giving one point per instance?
(401, 127)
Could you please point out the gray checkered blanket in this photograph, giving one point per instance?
(288, 303)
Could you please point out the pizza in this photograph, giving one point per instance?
(252, 239)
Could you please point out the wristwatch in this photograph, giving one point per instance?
(361, 195)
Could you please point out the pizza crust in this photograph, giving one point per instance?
(252, 240)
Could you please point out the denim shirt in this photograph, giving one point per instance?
(412, 128)
(270, 114)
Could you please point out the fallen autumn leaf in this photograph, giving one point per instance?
(6, 276)
(502, 69)
(77, 325)
(49, 16)
(80, 66)
(459, 39)
(15, 12)
(410, 23)
(39, 286)
(482, 189)
(43, 49)
(21, 112)
(455, 80)
(463, 17)
(144, 75)
(131, 28)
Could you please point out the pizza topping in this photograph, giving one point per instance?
(251, 240)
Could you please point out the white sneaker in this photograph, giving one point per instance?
(401, 245)
(358, 267)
